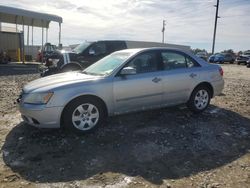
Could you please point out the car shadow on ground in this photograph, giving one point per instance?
(155, 145)
(18, 69)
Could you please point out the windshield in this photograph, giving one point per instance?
(108, 64)
(81, 47)
(219, 55)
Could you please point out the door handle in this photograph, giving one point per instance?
(156, 80)
(192, 75)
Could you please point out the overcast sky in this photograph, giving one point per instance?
(189, 22)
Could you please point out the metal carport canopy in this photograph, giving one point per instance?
(30, 18)
(26, 17)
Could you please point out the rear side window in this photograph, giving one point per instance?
(99, 48)
(113, 46)
(173, 60)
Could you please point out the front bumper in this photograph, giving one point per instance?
(241, 60)
(40, 115)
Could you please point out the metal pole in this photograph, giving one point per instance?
(23, 51)
(215, 24)
(16, 23)
(28, 33)
(42, 42)
(32, 38)
(59, 35)
(163, 30)
(28, 37)
(47, 35)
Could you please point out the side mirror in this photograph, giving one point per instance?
(92, 52)
(128, 71)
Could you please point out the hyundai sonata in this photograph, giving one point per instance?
(125, 81)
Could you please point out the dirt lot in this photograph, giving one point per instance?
(162, 148)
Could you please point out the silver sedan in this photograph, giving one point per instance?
(125, 81)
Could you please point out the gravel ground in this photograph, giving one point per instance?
(162, 148)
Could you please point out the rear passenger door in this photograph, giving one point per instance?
(180, 76)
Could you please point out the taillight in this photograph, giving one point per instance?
(221, 71)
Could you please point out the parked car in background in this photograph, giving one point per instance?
(125, 81)
(202, 55)
(87, 53)
(4, 57)
(47, 51)
(248, 63)
(243, 58)
(211, 58)
(222, 58)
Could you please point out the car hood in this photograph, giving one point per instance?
(58, 80)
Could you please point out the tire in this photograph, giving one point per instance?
(199, 99)
(71, 67)
(83, 115)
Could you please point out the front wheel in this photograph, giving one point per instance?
(83, 115)
(71, 67)
(199, 99)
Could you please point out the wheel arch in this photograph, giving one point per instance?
(83, 96)
(74, 64)
(206, 84)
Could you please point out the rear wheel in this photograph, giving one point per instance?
(199, 99)
(83, 115)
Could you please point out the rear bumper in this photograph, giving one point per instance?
(218, 86)
(40, 115)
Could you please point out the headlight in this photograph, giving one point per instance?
(38, 98)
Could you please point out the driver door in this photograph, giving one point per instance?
(142, 90)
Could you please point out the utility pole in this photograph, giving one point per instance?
(163, 29)
(215, 24)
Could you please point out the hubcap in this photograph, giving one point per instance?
(201, 99)
(85, 116)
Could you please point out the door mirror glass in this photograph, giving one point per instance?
(128, 71)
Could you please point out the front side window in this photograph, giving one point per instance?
(172, 60)
(143, 63)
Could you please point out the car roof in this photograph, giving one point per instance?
(136, 50)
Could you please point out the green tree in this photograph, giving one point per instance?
(195, 51)
(230, 51)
